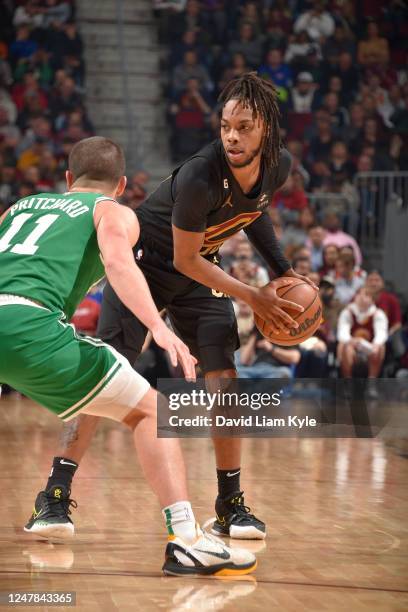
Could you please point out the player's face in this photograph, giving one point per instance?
(241, 134)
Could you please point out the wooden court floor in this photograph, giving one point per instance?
(336, 510)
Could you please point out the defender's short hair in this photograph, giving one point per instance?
(97, 159)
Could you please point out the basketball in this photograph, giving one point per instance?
(309, 320)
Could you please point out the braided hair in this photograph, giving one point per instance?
(251, 91)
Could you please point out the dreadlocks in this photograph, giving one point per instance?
(261, 96)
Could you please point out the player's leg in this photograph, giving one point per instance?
(206, 322)
(346, 355)
(44, 359)
(189, 550)
(77, 433)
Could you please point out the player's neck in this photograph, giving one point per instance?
(248, 176)
(94, 187)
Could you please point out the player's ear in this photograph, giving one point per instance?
(69, 178)
(121, 186)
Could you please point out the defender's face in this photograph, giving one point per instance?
(241, 134)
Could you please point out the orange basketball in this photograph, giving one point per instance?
(309, 320)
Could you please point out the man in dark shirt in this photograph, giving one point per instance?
(225, 187)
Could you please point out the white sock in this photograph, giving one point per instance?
(180, 521)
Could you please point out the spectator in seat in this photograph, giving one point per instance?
(374, 50)
(299, 49)
(248, 44)
(289, 197)
(23, 47)
(330, 256)
(32, 155)
(336, 236)
(251, 14)
(237, 68)
(245, 269)
(245, 321)
(7, 129)
(278, 72)
(315, 245)
(296, 235)
(278, 28)
(189, 114)
(191, 69)
(259, 358)
(47, 166)
(7, 104)
(56, 13)
(362, 333)
(313, 358)
(399, 118)
(188, 43)
(347, 279)
(317, 22)
(302, 265)
(331, 311)
(321, 145)
(64, 99)
(303, 95)
(295, 148)
(335, 86)
(30, 14)
(29, 85)
(72, 52)
(8, 184)
(337, 44)
(340, 160)
(338, 114)
(352, 131)
(386, 300)
(347, 71)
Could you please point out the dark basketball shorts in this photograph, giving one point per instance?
(201, 317)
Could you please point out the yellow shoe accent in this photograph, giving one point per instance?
(236, 572)
(171, 538)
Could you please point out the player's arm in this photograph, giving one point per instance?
(264, 301)
(117, 232)
(261, 235)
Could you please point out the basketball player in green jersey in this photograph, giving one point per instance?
(52, 249)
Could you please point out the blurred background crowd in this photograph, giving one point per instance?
(340, 68)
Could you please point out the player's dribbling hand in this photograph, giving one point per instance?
(270, 307)
(177, 350)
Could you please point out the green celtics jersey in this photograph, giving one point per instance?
(49, 250)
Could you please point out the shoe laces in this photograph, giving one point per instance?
(239, 508)
(62, 504)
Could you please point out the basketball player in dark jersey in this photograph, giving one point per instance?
(224, 188)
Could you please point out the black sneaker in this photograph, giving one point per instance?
(234, 519)
(50, 518)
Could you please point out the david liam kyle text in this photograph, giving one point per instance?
(243, 421)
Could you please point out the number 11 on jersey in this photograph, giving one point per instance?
(29, 246)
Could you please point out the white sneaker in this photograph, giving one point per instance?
(208, 556)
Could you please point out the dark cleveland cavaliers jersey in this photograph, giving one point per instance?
(202, 195)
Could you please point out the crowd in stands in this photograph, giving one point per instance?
(42, 111)
(340, 70)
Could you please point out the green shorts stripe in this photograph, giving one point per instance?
(102, 384)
